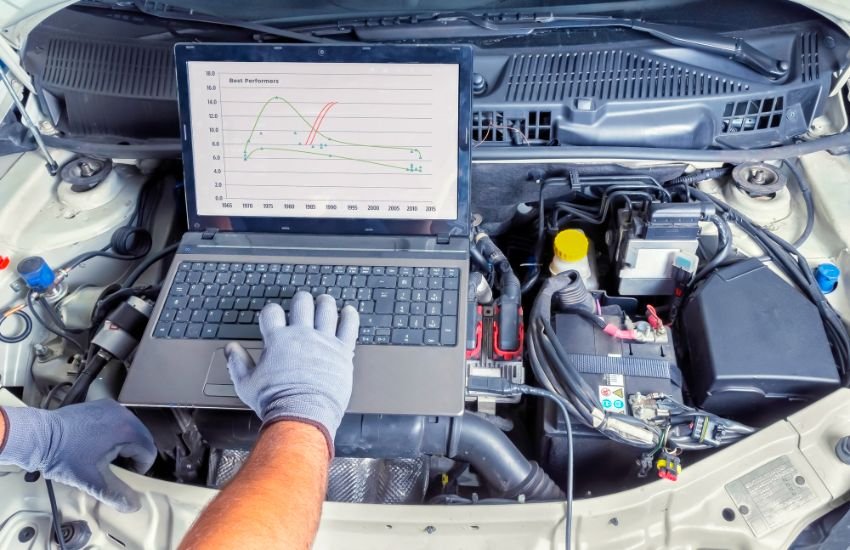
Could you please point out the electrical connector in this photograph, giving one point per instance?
(648, 408)
(705, 430)
(645, 464)
(668, 466)
(492, 385)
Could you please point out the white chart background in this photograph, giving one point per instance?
(336, 140)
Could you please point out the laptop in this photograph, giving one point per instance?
(340, 170)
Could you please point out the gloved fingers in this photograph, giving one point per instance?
(240, 364)
(302, 310)
(140, 456)
(349, 326)
(115, 492)
(98, 481)
(272, 318)
(326, 315)
(140, 448)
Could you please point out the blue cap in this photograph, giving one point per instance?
(827, 277)
(36, 273)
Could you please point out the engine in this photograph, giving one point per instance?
(620, 326)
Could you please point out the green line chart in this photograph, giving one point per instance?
(314, 131)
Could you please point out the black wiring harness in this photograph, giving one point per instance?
(793, 265)
(552, 368)
(595, 198)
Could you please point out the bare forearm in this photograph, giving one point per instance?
(276, 498)
(2, 429)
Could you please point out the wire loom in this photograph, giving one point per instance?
(552, 367)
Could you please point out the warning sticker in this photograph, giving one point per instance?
(613, 398)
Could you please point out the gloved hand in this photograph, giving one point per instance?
(305, 370)
(74, 445)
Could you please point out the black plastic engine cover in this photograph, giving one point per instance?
(755, 343)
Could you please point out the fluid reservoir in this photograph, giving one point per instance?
(573, 250)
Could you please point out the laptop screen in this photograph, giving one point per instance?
(325, 140)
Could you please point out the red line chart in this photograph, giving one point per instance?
(317, 122)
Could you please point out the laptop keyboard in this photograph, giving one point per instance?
(397, 305)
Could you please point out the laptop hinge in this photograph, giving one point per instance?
(209, 234)
(443, 238)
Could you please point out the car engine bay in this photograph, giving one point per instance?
(656, 257)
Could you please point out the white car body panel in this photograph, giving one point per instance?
(687, 514)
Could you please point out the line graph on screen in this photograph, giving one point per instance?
(316, 142)
(330, 139)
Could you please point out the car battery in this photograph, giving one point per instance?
(622, 374)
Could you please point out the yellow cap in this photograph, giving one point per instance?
(571, 245)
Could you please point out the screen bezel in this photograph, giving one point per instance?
(457, 55)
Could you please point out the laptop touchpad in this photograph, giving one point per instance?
(217, 374)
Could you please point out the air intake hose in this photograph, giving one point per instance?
(496, 459)
(468, 438)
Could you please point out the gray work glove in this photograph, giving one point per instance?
(305, 370)
(76, 444)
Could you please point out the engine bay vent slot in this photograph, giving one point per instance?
(489, 127)
(755, 114)
(809, 56)
(512, 128)
(609, 74)
(539, 126)
(128, 70)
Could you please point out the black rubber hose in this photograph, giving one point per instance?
(534, 276)
(468, 438)
(575, 294)
(149, 261)
(698, 176)
(509, 305)
(724, 247)
(510, 296)
(551, 352)
(23, 333)
(496, 459)
(806, 192)
(479, 258)
(54, 330)
(80, 387)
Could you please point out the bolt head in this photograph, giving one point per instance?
(26, 534)
(47, 128)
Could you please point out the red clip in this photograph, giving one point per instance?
(4, 262)
(475, 353)
(653, 318)
(665, 474)
(509, 355)
(619, 333)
